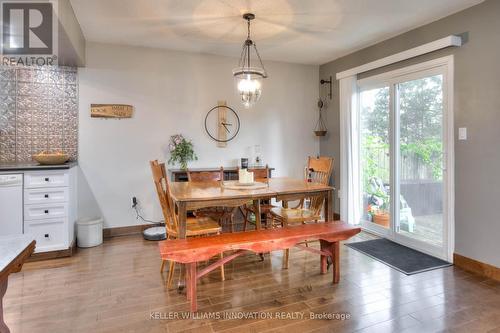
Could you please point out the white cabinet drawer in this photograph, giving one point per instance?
(45, 211)
(46, 179)
(50, 235)
(45, 195)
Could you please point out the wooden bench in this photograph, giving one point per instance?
(193, 250)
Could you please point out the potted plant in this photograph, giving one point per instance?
(181, 151)
(381, 217)
(379, 207)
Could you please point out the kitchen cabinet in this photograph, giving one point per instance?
(49, 204)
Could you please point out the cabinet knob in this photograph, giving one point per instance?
(46, 195)
(47, 179)
(46, 235)
(46, 211)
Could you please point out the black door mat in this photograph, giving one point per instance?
(397, 256)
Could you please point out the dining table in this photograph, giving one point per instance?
(190, 196)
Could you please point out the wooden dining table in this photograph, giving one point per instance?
(196, 195)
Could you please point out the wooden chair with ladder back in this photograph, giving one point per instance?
(319, 170)
(225, 215)
(196, 226)
(260, 175)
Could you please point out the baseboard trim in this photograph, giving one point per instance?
(125, 231)
(53, 254)
(476, 267)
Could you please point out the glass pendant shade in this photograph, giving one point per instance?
(249, 78)
(249, 87)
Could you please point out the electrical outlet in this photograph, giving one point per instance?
(134, 202)
(462, 133)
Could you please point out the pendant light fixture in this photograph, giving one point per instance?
(249, 78)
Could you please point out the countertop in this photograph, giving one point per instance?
(35, 166)
(11, 247)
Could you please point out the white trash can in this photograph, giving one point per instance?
(89, 232)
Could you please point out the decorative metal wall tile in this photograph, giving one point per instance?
(24, 123)
(7, 142)
(70, 139)
(55, 77)
(70, 91)
(24, 155)
(8, 122)
(38, 112)
(8, 88)
(7, 102)
(70, 77)
(55, 141)
(7, 74)
(7, 154)
(71, 103)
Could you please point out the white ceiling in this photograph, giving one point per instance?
(301, 31)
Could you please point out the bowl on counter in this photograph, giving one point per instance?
(51, 158)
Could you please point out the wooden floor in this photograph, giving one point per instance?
(117, 287)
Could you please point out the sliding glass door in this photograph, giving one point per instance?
(404, 132)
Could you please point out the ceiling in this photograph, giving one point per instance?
(300, 31)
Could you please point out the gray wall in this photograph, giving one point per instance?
(71, 39)
(477, 107)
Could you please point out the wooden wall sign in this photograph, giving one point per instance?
(111, 111)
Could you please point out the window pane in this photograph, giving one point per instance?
(421, 151)
(374, 156)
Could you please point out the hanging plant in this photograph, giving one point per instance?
(181, 151)
(320, 128)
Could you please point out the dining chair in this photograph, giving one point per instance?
(319, 170)
(225, 215)
(195, 226)
(260, 175)
(205, 176)
(208, 176)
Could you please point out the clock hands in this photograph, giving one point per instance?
(225, 126)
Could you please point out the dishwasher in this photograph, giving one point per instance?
(11, 204)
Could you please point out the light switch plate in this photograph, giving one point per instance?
(462, 133)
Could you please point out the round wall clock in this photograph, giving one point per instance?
(222, 123)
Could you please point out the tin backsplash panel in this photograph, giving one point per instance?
(38, 112)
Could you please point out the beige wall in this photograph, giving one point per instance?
(172, 92)
(477, 107)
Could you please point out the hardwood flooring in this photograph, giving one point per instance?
(117, 287)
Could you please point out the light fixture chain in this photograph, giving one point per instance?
(243, 56)
(248, 29)
(260, 60)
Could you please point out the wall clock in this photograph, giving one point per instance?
(222, 123)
